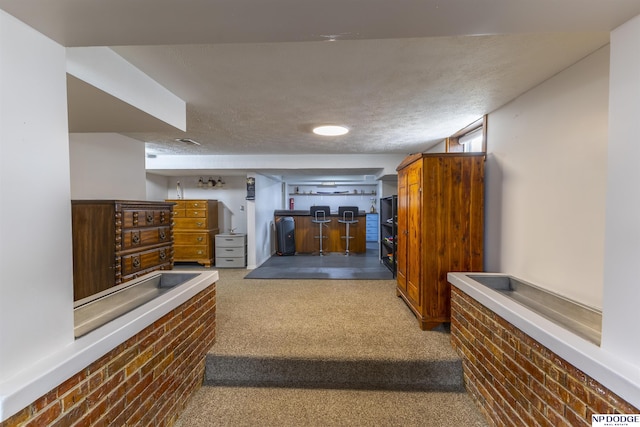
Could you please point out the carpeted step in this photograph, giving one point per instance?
(360, 374)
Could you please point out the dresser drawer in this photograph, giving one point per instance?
(191, 252)
(196, 238)
(143, 260)
(137, 238)
(230, 240)
(179, 213)
(145, 218)
(179, 205)
(229, 262)
(196, 213)
(195, 204)
(222, 251)
(190, 223)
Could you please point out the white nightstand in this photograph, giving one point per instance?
(231, 250)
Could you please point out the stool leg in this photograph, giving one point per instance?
(320, 225)
(347, 239)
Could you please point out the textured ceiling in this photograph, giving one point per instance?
(258, 74)
(396, 95)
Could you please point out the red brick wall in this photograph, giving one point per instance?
(146, 380)
(515, 381)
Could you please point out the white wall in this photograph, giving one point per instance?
(622, 249)
(545, 183)
(107, 166)
(104, 69)
(36, 288)
(389, 187)
(232, 206)
(157, 187)
(268, 199)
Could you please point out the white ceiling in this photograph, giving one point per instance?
(258, 74)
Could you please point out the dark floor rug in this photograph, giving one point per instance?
(330, 266)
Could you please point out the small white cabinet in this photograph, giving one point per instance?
(231, 250)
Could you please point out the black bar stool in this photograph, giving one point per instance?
(320, 216)
(346, 215)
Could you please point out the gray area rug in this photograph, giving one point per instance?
(331, 267)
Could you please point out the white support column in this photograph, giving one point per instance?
(621, 303)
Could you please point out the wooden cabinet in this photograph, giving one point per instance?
(115, 241)
(231, 250)
(195, 227)
(440, 229)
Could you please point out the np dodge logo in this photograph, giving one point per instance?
(615, 420)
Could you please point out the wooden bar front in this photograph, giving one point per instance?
(306, 232)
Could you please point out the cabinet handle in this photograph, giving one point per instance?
(162, 255)
(136, 262)
(135, 238)
(199, 224)
(163, 235)
(150, 217)
(199, 239)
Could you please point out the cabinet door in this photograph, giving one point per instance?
(414, 228)
(403, 230)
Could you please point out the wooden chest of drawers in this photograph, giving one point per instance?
(195, 227)
(115, 241)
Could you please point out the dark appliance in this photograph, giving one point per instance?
(285, 230)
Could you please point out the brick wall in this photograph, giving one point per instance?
(146, 380)
(515, 381)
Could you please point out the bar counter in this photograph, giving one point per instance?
(305, 232)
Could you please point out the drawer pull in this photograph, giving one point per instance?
(200, 252)
(136, 262)
(162, 255)
(150, 217)
(199, 224)
(200, 239)
(229, 250)
(135, 238)
(163, 235)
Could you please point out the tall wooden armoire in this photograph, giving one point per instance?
(440, 229)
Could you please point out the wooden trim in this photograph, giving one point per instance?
(451, 143)
(408, 160)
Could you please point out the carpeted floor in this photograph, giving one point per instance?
(325, 353)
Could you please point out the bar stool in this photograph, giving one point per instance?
(346, 215)
(320, 216)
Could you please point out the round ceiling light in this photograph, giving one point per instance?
(330, 130)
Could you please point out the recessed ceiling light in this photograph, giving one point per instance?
(330, 130)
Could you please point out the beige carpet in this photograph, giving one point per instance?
(315, 352)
